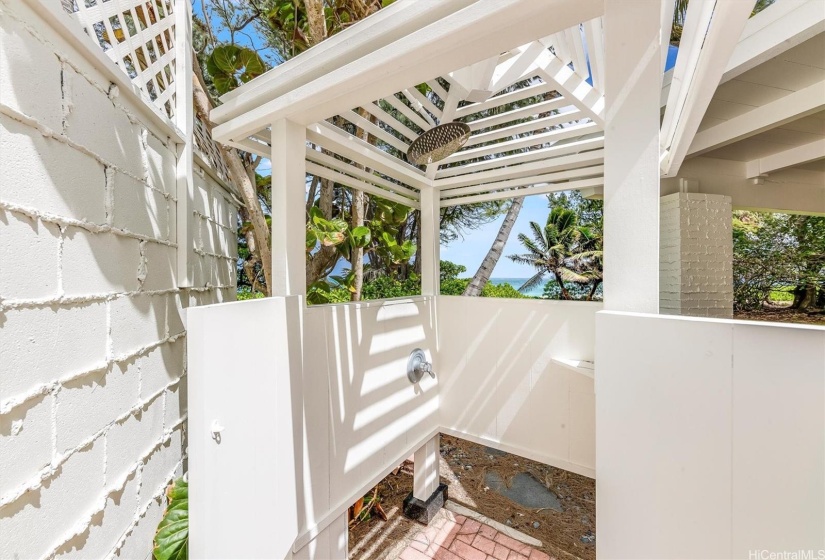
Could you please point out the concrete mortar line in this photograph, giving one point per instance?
(59, 460)
(85, 523)
(142, 511)
(47, 132)
(212, 220)
(10, 404)
(48, 217)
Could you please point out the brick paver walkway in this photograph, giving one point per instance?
(455, 537)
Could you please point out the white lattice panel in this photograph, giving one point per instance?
(139, 36)
(209, 150)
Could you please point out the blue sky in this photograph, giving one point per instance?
(471, 250)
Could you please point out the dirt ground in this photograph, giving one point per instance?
(566, 535)
(781, 315)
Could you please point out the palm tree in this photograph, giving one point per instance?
(555, 250)
(588, 262)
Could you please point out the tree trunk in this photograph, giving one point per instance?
(593, 289)
(482, 275)
(564, 293)
(239, 174)
(359, 204)
(316, 20)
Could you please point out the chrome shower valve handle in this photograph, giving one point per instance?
(418, 365)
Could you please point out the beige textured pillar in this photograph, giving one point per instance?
(696, 255)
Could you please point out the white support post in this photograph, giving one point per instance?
(184, 119)
(288, 208)
(332, 543)
(631, 178)
(425, 472)
(430, 241)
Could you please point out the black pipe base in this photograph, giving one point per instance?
(424, 511)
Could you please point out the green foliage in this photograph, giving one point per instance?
(172, 536)
(450, 270)
(327, 232)
(782, 295)
(232, 65)
(501, 291)
(385, 287)
(777, 252)
(321, 292)
(245, 293)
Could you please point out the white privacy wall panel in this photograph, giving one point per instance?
(92, 386)
(498, 384)
(719, 423)
(376, 415)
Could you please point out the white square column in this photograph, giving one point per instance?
(288, 209)
(696, 264)
(633, 83)
(425, 473)
(430, 241)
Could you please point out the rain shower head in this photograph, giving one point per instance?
(438, 143)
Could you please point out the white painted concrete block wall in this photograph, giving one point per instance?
(92, 393)
(696, 255)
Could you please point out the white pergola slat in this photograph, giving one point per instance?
(554, 151)
(579, 173)
(559, 163)
(527, 191)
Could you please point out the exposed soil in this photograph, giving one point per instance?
(781, 314)
(566, 535)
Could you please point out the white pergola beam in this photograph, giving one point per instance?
(578, 173)
(326, 160)
(572, 86)
(504, 99)
(793, 106)
(595, 50)
(512, 69)
(520, 113)
(375, 130)
(471, 169)
(574, 39)
(544, 165)
(525, 127)
(699, 77)
(518, 143)
(402, 108)
(381, 29)
(352, 182)
(355, 149)
(389, 120)
(474, 79)
(774, 30)
(481, 30)
(799, 155)
(526, 191)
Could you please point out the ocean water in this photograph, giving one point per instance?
(536, 291)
